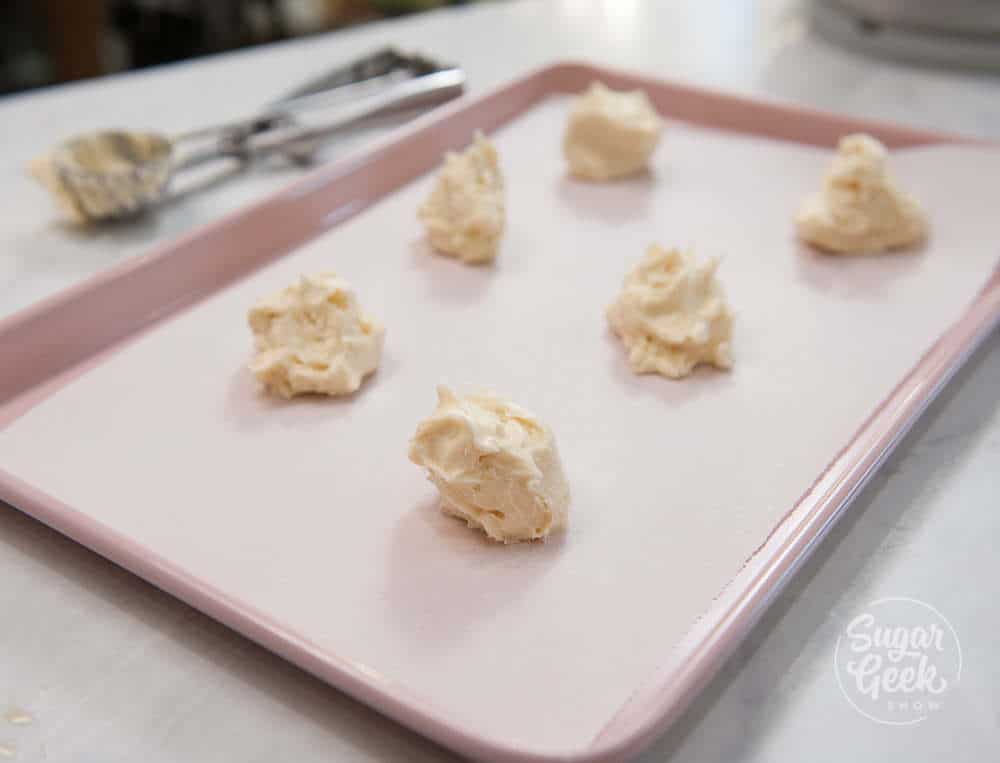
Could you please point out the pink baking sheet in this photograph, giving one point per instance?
(131, 424)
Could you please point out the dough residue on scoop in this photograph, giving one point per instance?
(495, 466)
(672, 314)
(860, 209)
(313, 337)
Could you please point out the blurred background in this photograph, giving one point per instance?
(43, 42)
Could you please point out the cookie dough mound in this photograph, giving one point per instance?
(860, 209)
(314, 337)
(611, 134)
(464, 215)
(672, 314)
(495, 465)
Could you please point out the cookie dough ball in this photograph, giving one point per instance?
(860, 209)
(464, 215)
(314, 337)
(610, 134)
(495, 465)
(672, 314)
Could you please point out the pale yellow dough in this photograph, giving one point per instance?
(671, 314)
(860, 209)
(610, 134)
(43, 169)
(97, 156)
(464, 215)
(495, 466)
(313, 337)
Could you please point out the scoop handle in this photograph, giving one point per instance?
(224, 141)
(419, 92)
(277, 133)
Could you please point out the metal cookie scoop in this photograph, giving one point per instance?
(106, 174)
(115, 173)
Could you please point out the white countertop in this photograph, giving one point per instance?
(109, 669)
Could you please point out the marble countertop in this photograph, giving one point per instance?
(96, 665)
